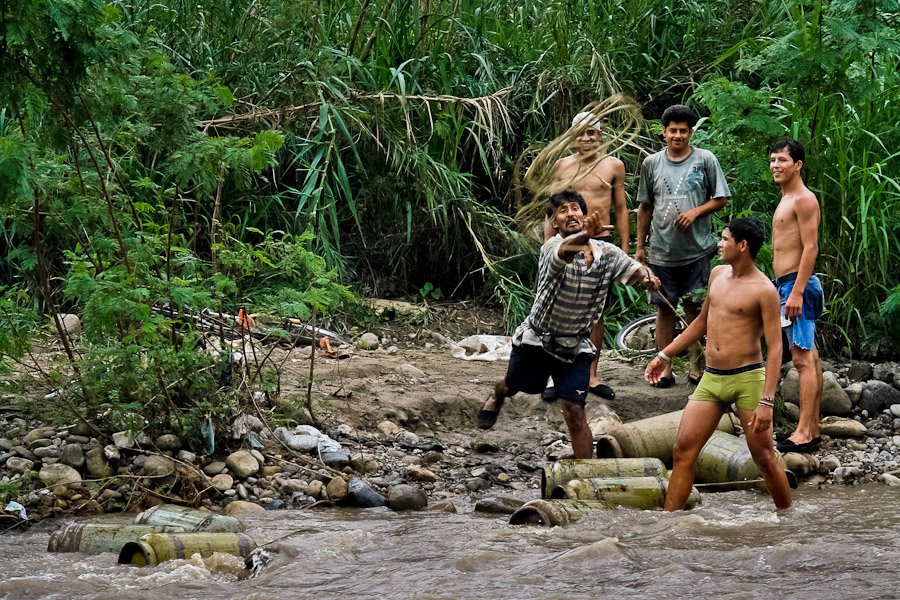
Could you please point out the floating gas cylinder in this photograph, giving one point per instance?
(563, 471)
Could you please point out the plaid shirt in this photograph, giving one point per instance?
(570, 297)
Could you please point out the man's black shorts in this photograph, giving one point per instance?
(529, 367)
(684, 281)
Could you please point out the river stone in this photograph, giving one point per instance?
(70, 323)
(111, 453)
(498, 506)
(158, 466)
(123, 439)
(790, 387)
(242, 464)
(801, 464)
(884, 372)
(854, 391)
(47, 452)
(407, 497)
(829, 463)
(877, 396)
(388, 428)
(96, 463)
(891, 480)
(365, 465)
(408, 370)
(270, 470)
(240, 507)
(78, 439)
(443, 506)
(368, 341)
(59, 476)
(40, 443)
(337, 459)
(215, 467)
(82, 428)
(860, 371)
(242, 491)
(315, 489)
(419, 473)
(792, 411)
(337, 489)
(186, 456)
(840, 427)
(360, 494)
(5, 445)
(17, 465)
(835, 400)
(87, 508)
(24, 452)
(288, 487)
(896, 383)
(34, 435)
(5, 457)
(846, 474)
(169, 442)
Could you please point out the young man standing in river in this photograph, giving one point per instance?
(795, 244)
(601, 182)
(574, 277)
(680, 188)
(741, 305)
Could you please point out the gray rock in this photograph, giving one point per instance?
(890, 480)
(40, 443)
(70, 323)
(884, 372)
(186, 456)
(96, 463)
(59, 476)
(17, 465)
(792, 411)
(840, 427)
(289, 487)
(24, 452)
(359, 493)
(829, 463)
(498, 506)
(47, 452)
(368, 341)
(408, 370)
(242, 464)
(477, 484)
(790, 387)
(336, 460)
(158, 466)
(5, 456)
(315, 489)
(847, 474)
(527, 466)
(877, 396)
(854, 391)
(78, 439)
(896, 383)
(111, 453)
(169, 442)
(407, 497)
(222, 481)
(835, 400)
(484, 447)
(123, 439)
(83, 429)
(215, 467)
(259, 457)
(5, 445)
(242, 491)
(860, 371)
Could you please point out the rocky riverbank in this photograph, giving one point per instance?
(400, 433)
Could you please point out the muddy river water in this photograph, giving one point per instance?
(835, 542)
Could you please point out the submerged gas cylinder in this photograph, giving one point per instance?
(563, 471)
(653, 437)
(94, 538)
(188, 519)
(727, 458)
(644, 493)
(550, 513)
(154, 548)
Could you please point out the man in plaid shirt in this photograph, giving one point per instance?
(575, 274)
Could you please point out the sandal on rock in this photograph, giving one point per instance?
(603, 390)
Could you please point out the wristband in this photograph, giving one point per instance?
(765, 402)
(662, 356)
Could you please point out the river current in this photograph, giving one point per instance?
(835, 542)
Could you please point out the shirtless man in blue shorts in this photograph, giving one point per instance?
(796, 245)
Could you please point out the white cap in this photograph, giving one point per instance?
(585, 120)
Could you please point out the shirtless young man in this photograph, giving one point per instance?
(741, 305)
(795, 244)
(601, 182)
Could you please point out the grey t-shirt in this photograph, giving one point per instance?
(673, 188)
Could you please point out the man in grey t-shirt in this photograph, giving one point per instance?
(680, 187)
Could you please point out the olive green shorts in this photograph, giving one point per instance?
(744, 389)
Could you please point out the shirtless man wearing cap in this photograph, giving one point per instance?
(601, 182)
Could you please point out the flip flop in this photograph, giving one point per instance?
(664, 382)
(487, 418)
(603, 390)
(694, 380)
(549, 394)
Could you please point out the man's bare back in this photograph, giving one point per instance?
(787, 232)
(735, 320)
